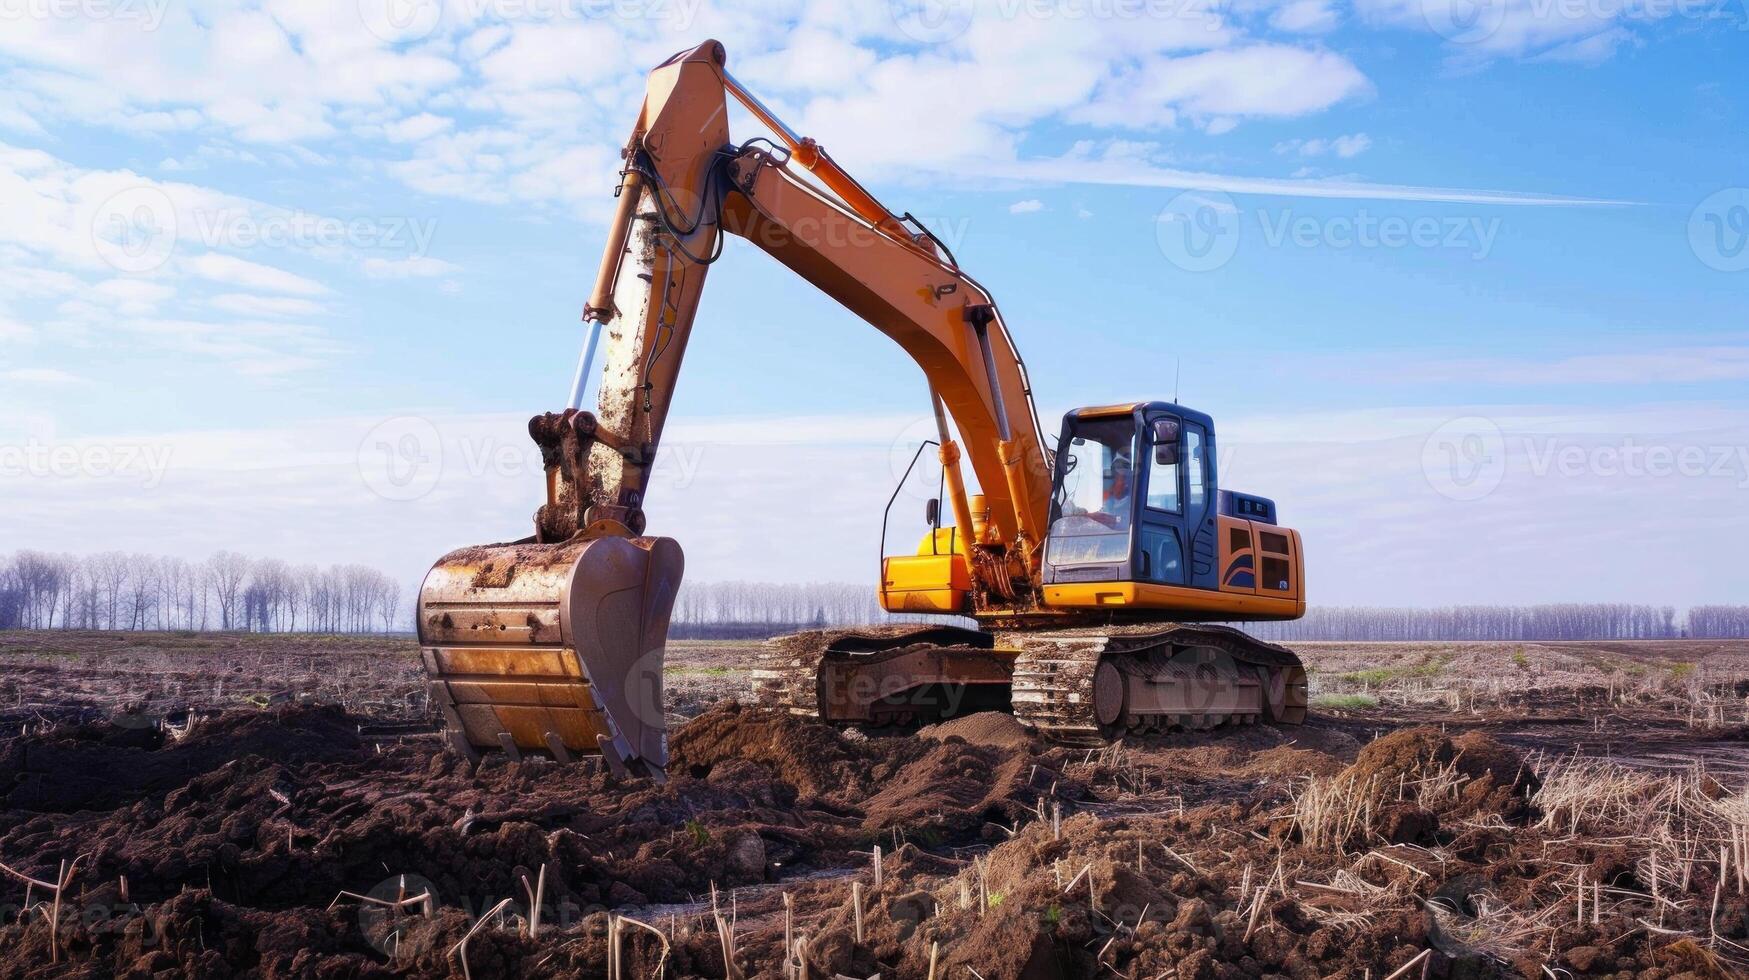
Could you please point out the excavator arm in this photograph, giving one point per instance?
(684, 186)
(554, 643)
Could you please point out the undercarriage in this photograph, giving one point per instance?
(1083, 685)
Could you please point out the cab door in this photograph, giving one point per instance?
(1196, 460)
(1160, 545)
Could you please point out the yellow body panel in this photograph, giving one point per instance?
(1141, 596)
(925, 583)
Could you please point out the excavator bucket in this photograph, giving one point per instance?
(553, 648)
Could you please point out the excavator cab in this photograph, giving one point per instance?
(1138, 522)
(1139, 528)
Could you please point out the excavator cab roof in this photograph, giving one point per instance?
(1146, 408)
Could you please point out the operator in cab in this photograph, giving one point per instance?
(1119, 485)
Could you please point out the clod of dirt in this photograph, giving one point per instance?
(993, 729)
(1485, 776)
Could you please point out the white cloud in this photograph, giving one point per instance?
(533, 109)
(1346, 147)
(1593, 50)
(268, 75)
(1081, 168)
(40, 376)
(251, 305)
(416, 267)
(1305, 17)
(1583, 32)
(1267, 80)
(1650, 365)
(1027, 206)
(415, 128)
(257, 348)
(232, 271)
(132, 296)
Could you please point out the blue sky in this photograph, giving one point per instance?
(254, 258)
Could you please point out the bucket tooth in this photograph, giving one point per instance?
(553, 648)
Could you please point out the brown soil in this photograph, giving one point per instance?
(217, 849)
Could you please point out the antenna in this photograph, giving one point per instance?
(1177, 372)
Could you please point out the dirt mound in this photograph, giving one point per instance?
(102, 765)
(953, 788)
(813, 758)
(994, 729)
(932, 789)
(1466, 776)
(1287, 762)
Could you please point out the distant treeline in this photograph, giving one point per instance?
(709, 604)
(1567, 621)
(229, 591)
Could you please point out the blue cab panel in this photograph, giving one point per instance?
(1247, 506)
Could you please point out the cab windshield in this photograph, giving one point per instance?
(1094, 500)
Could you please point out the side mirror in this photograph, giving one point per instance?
(932, 512)
(1166, 442)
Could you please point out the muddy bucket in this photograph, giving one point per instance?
(553, 648)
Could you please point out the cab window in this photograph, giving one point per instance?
(1162, 484)
(1197, 473)
(1096, 493)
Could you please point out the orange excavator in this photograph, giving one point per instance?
(1096, 568)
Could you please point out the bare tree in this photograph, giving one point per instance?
(226, 571)
(388, 602)
(110, 571)
(142, 595)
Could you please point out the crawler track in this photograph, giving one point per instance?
(1058, 687)
(1079, 686)
(791, 668)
